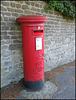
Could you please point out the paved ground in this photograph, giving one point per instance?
(63, 77)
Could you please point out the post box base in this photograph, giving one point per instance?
(34, 86)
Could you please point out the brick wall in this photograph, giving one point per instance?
(59, 38)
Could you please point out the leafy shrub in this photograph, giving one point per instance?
(67, 8)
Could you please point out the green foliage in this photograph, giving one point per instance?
(67, 8)
(60, 65)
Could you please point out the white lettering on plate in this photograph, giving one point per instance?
(38, 43)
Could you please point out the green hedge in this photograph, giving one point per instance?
(67, 8)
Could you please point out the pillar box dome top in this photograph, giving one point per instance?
(32, 19)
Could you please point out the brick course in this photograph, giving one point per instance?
(59, 38)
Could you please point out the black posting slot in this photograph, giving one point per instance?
(38, 31)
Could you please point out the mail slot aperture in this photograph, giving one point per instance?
(38, 31)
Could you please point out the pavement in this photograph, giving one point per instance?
(59, 84)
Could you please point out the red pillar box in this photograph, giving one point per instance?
(33, 50)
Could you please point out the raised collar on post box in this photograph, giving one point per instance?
(32, 19)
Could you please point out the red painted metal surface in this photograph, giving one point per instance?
(33, 58)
